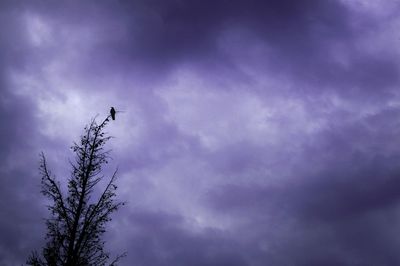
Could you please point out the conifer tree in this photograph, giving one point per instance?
(78, 219)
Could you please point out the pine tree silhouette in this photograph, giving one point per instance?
(77, 222)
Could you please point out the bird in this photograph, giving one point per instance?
(112, 113)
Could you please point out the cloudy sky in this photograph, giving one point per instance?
(253, 133)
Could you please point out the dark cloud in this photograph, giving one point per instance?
(254, 132)
(150, 38)
(176, 29)
(156, 35)
(345, 205)
(20, 204)
(161, 239)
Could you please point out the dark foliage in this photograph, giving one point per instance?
(77, 222)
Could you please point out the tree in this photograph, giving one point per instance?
(77, 223)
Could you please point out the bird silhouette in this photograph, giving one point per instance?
(112, 112)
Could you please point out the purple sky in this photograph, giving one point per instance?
(254, 132)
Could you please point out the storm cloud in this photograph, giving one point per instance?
(253, 132)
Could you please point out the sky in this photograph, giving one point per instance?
(252, 132)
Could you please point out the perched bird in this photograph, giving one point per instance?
(112, 112)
